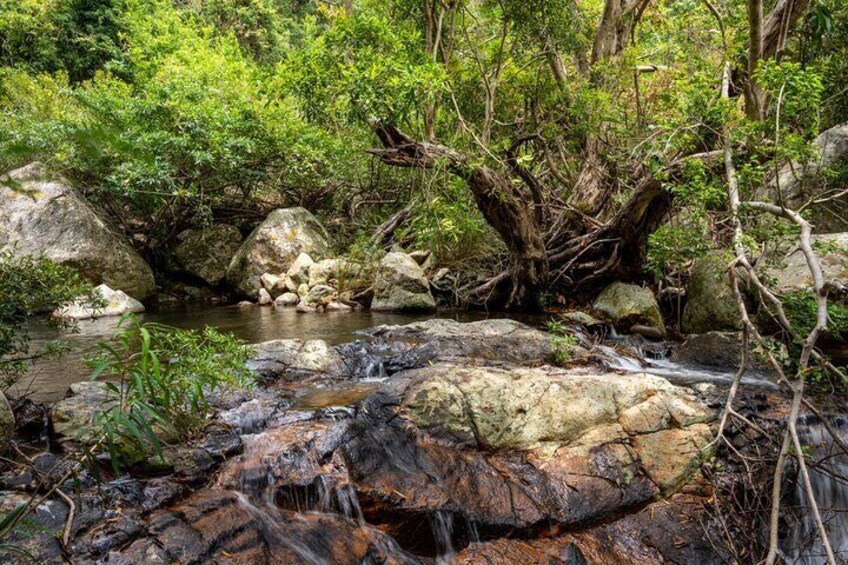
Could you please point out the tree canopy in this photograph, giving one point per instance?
(570, 130)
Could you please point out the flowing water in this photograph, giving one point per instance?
(829, 481)
(49, 379)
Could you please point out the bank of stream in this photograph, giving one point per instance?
(48, 380)
(374, 460)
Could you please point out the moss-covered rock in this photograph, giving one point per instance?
(207, 253)
(628, 305)
(710, 304)
(401, 285)
(273, 247)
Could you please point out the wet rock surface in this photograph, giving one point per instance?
(504, 341)
(436, 441)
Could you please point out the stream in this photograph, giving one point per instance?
(48, 380)
(257, 496)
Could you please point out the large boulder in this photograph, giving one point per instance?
(628, 305)
(793, 274)
(505, 448)
(7, 423)
(206, 253)
(710, 304)
(401, 286)
(115, 303)
(800, 183)
(273, 247)
(42, 214)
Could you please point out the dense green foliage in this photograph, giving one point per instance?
(175, 114)
(30, 286)
(163, 378)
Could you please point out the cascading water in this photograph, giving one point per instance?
(441, 523)
(829, 481)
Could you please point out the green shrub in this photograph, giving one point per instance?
(30, 286)
(562, 342)
(163, 377)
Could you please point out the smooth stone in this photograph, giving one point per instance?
(287, 299)
(117, 303)
(45, 215)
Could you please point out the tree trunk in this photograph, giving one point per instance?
(753, 92)
(504, 205)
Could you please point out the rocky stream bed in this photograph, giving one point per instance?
(433, 442)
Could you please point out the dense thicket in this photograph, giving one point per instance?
(562, 127)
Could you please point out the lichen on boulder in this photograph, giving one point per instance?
(628, 305)
(401, 285)
(273, 246)
(45, 215)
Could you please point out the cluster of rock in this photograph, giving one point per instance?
(42, 214)
(399, 284)
(469, 451)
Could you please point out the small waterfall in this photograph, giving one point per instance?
(349, 504)
(441, 523)
(829, 479)
(274, 533)
(375, 369)
(473, 531)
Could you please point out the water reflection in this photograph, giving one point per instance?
(49, 379)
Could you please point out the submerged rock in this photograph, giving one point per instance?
(401, 285)
(710, 304)
(273, 247)
(629, 305)
(45, 215)
(206, 253)
(115, 303)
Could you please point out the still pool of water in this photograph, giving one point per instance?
(49, 379)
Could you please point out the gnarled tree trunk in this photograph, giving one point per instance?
(504, 205)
